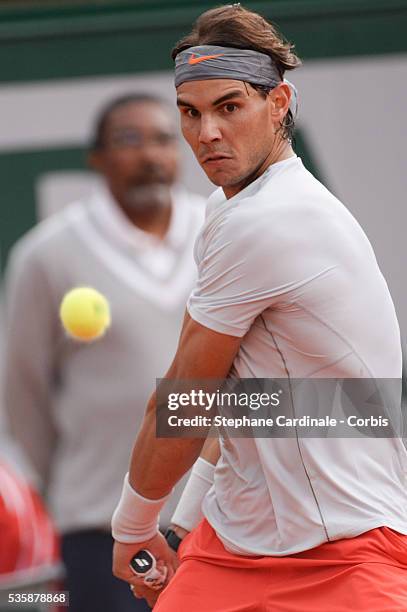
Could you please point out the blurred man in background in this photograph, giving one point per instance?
(75, 408)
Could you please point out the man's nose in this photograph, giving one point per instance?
(151, 155)
(209, 130)
(150, 149)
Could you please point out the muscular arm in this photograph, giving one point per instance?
(211, 450)
(157, 464)
(189, 509)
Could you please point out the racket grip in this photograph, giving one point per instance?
(144, 565)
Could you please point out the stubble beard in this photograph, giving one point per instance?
(245, 178)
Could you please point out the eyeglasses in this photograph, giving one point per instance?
(135, 140)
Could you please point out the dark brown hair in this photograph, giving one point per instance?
(235, 26)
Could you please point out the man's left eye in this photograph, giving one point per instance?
(229, 108)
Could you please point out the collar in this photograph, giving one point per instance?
(114, 219)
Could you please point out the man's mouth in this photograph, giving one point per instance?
(214, 157)
(148, 196)
(147, 180)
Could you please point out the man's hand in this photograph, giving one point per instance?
(144, 592)
(164, 555)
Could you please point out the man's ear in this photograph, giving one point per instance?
(280, 98)
(94, 161)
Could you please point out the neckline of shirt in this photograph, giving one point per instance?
(116, 222)
(267, 175)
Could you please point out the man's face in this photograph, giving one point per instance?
(139, 155)
(230, 128)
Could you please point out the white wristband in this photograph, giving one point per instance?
(188, 512)
(136, 517)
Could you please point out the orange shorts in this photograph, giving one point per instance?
(367, 573)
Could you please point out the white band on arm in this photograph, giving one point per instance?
(188, 512)
(136, 517)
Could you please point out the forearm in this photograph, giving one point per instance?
(156, 466)
(188, 512)
(211, 450)
(158, 463)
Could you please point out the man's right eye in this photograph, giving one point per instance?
(192, 112)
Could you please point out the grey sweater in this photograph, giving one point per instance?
(76, 408)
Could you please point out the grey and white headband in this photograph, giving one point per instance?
(213, 62)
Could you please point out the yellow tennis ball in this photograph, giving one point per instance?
(85, 313)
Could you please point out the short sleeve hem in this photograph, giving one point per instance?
(221, 327)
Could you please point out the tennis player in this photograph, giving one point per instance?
(288, 287)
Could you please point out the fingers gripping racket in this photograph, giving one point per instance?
(144, 565)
